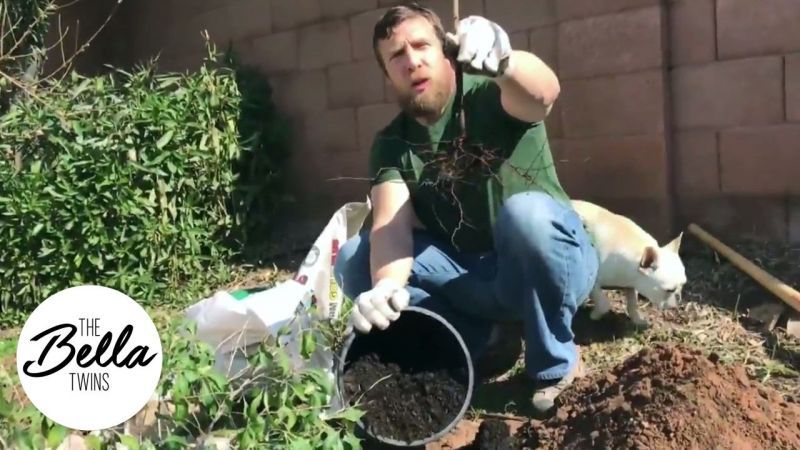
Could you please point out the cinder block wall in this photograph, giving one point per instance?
(614, 140)
(671, 110)
(736, 101)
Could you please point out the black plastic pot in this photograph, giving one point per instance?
(431, 340)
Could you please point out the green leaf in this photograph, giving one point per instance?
(206, 397)
(181, 411)
(175, 442)
(255, 404)
(308, 344)
(93, 442)
(6, 409)
(56, 435)
(349, 414)
(352, 442)
(165, 139)
(299, 443)
(332, 441)
(288, 416)
(219, 380)
(129, 441)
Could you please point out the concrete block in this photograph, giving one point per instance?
(612, 106)
(792, 81)
(729, 93)
(340, 9)
(324, 44)
(731, 217)
(277, 52)
(760, 160)
(287, 14)
(516, 15)
(250, 18)
(697, 162)
(693, 35)
(355, 84)
(616, 43)
(755, 28)
(361, 29)
(301, 93)
(329, 133)
(573, 9)
(632, 167)
(543, 42)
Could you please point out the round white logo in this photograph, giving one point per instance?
(89, 358)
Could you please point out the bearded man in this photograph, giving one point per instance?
(479, 231)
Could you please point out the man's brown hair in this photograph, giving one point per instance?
(397, 14)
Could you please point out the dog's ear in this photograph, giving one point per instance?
(649, 259)
(675, 245)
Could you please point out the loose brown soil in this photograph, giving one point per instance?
(494, 434)
(403, 405)
(411, 380)
(668, 397)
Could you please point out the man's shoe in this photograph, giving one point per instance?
(544, 397)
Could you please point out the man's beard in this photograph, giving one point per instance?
(426, 106)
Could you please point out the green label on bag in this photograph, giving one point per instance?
(240, 294)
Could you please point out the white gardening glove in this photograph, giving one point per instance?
(379, 306)
(483, 46)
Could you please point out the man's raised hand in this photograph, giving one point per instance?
(483, 46)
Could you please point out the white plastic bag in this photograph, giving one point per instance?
(234, 325)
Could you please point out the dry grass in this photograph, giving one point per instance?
(714, 316)
(771, 360)
(260, 277)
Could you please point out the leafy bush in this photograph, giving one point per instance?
(269, 408)
(132, 180)
(260, 189)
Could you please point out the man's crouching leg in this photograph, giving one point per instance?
(546, 268)
(433, 270)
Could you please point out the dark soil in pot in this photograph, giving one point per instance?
(411, 379)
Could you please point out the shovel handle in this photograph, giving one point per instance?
(459, 78)
(789, 295)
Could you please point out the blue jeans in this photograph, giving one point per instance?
(541, 270)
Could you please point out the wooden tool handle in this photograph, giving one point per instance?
(782, 290)
(462, 120)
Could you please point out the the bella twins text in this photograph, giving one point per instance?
(86, 356)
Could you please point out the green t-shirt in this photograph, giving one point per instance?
(457, 191)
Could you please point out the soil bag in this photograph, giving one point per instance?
(316, 271)
(235, 323)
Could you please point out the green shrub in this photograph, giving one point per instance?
(131, 180)
(260, 188)
(272, 407)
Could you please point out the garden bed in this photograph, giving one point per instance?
(705, 374)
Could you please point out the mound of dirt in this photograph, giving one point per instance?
(402, 404)
(668, 397)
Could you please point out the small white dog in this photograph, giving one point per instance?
(631, 260)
